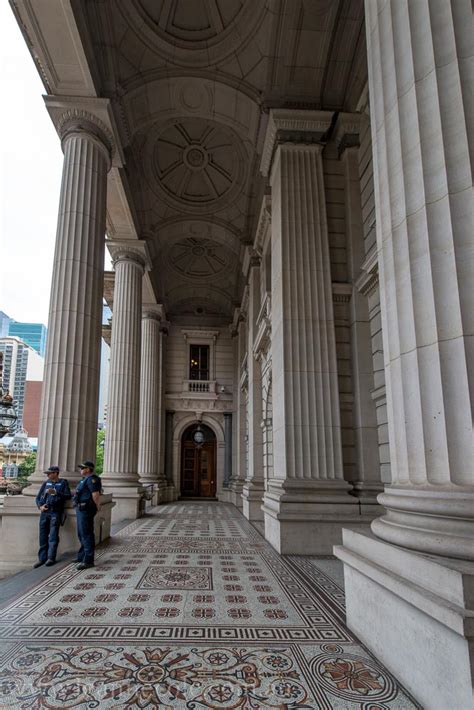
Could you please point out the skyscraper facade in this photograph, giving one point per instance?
(21, 364)
(33, 334)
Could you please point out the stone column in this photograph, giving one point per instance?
(169, 447)
(228, 448)
(307, 500)
(120, 475)
(150, 400)
(252, 492)
(420, 81)
(240, 473)
(368, 483)
(68, 417)
(423, 183)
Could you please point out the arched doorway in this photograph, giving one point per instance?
(198, 462)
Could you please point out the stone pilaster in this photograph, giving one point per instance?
(120, 475)
(307, 500)
(252, 492)
(69, 405)
(169, 448)
(367, 483)
(420, 94)
(239, 475)
(228, 448)
(150, 400)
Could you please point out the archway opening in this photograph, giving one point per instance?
(198, 462)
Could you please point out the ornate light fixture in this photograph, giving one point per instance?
(198, 436)
(8, 414)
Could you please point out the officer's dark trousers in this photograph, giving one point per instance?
(85, 533)
(48, 535)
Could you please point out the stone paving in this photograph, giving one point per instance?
(189, 607)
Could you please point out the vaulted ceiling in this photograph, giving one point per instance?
(191, 82)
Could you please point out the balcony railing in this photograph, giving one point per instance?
(199, 386)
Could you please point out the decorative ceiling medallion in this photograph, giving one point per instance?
(198, 258)
(197, 165)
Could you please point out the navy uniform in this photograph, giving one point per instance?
(86, 509)
(51, 499)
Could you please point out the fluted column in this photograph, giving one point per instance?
(420, 90)
(252, 493)
(121, 441)
(306, 501)
(150, 397)
(367, 483)
(169, 447)
(68, 419)
(228, 448)
(306, 419)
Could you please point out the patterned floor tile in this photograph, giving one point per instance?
(189, 608)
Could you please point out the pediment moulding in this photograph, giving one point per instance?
(292, 126)
(94, 116)
(341, 292)
(193, 334)
(368, 279)
(129, 250)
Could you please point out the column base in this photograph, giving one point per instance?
(128, 502)
(252, 500)
(411, 610)
(20, 529)
(235, 493)
(224, 495)
(306, 518)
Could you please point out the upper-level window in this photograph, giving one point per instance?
(199, 362)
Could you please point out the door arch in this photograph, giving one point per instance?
(198, 463)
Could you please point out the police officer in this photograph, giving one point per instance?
(87, 504)
(50, 500)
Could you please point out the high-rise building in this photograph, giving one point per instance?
(21, 366)
(33, 334)
(4, 324)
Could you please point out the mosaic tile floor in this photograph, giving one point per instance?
(189, 608)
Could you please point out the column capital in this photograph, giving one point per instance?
(252, 259)
(135, 250)
(293, 126)
(347, 131)
(73, 115)
(152, 311)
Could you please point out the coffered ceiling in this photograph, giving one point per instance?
(190, 83)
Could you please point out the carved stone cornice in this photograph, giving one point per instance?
(263, 225)
(135, 250)
(341, 292)
(347, 131)
(292, 126)
(264, 328)
(368, 279)
(94, 116)
(251, 259)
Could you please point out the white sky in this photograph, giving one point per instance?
(30, 178)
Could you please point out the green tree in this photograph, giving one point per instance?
(28, 465)
(99, 456)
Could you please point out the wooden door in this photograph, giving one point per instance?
(198, 470)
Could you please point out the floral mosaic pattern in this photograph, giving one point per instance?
(209, 620)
